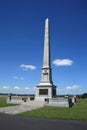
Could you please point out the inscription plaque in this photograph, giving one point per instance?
(43, 91)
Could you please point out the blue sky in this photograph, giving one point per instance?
(22, 40)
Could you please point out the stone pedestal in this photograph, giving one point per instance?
(43, 92)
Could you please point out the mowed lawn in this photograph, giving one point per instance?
(77, 112)
(3, 102)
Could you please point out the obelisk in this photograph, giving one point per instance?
(46, 69)
(46, 89)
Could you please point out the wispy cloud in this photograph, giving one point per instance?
(21, 78)
(6, 87)
(74, 87)
(17, 88)
(62, 62)
(27, 88)
(16, 77)
(27, 67)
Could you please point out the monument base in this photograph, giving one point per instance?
(44, 91)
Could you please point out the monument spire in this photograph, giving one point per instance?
(46, 69)
(46, 58)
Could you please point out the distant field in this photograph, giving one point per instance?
(3, 102)
(77, 112)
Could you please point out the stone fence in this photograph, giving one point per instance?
(59, 102)
(19, 99)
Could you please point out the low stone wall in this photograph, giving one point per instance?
(16, 99)
(58, 102)
(19, 99)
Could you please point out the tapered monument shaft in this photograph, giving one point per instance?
(46, 69)
(46, 58)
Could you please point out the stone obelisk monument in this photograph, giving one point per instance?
(46, 89)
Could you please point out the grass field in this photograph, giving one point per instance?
(3, 102)
(77, 112)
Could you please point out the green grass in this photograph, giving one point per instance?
(77, 112)
(3, 102)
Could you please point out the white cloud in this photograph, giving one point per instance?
(74, 87)
(28, 67)
(21, 78)
(27, 88)
(62, 62)
(6, 87)
(16, 88)
(16, 77)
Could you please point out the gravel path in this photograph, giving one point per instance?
(26, 106)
